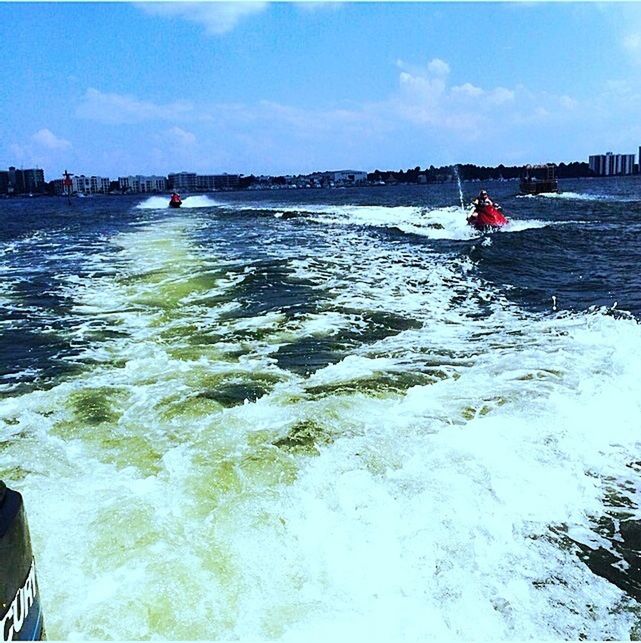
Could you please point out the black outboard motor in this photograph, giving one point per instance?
(20, 613)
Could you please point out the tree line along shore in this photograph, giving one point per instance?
(344, 178)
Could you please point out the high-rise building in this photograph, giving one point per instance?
(610, 164)
(226, 181)
(597, 164)
(209, 182)
(14, 181)
(627, 164)
(182, 182)
(33, 180)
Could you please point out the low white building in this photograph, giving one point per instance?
(349, 177)
(140, 183)
(339, 177)
(90, 184)
(153, 183)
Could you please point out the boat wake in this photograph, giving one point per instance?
(446, 223)
(567, 196)
(162, 203)
(323, 434)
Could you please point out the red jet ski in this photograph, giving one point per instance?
(488, 217)
(175, 201)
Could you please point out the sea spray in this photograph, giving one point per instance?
(460, 187)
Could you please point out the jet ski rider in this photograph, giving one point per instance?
(482, 201)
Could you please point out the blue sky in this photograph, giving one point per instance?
(252, 87)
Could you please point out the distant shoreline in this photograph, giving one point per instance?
(279, 188)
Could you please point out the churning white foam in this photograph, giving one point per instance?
(199, 202)
(567, 196)
(154, 203)
(414, 488)
(435, 223)
(162, 202)
(447, 222)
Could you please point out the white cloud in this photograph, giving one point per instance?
(217, 17)
(496, 96)
(425, 107)
(438, 67)
(46, 138)
(501, 95)
(119, 109)
(359, 120)
(41, 149)
(421, 87)
(181, 136)
(467, 89)
(427, 99)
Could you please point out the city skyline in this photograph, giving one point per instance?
(27, 180)
(222, 87)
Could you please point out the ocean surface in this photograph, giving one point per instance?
(311, 414)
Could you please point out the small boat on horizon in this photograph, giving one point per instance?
(539, 179)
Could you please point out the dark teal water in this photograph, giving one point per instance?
(584, 254)
(327, 412)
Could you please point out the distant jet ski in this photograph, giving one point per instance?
(487, 217)
(175, 201)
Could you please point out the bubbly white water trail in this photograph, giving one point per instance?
(435, 223)
(569, 196)
(162, 202)
(419, 487)
(154, 203)
(198, 201)
(447, 222)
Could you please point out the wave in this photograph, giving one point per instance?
(448, 222)
(518, 225)
(190, 202)
(426, 482)
(569, 196)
